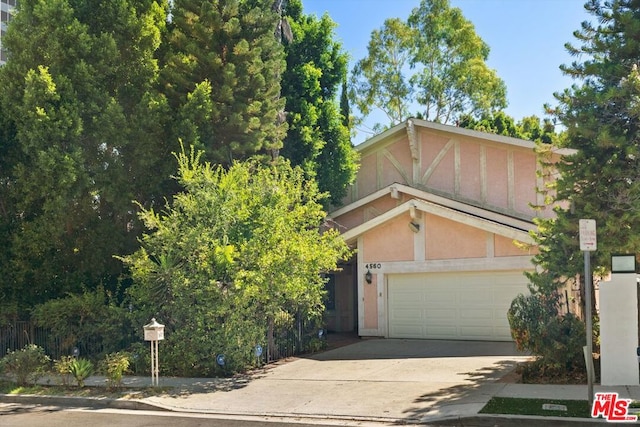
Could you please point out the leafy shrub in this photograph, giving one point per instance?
(114, 366)
(528, 317)
(140, 361)
(185, 353)
(91, 320)
(81, 369)
(62, 367)
(26, 365)
(538, 328)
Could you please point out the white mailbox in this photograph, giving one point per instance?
(154, 331)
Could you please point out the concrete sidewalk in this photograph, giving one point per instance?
(374, 381)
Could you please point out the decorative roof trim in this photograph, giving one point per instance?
(396, 188)
(410, 124)
(442, 211)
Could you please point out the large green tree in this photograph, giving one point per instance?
(530, 128)
(238, 248)
(318, 138)
(379, 81)
(435, 58)
(601, 113)
(86, 132)
(221, 74)
(599, 179)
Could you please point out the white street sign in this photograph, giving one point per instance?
(588, 241)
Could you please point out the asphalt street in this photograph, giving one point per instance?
(12, 415)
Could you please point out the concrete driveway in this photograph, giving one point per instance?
(378, 379)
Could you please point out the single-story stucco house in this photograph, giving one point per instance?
(440, 217)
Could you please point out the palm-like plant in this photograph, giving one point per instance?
(81, 369)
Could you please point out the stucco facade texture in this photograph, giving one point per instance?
(433, 198)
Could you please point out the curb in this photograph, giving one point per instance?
(488, 420)
(80, 402)
(492, 420)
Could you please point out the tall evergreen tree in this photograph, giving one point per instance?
(601, 113)
(222, 77)
(318, 138)
(8, 155)
(78, 90)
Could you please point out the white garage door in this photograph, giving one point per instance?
(462, 306)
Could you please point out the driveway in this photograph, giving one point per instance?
(376, 379)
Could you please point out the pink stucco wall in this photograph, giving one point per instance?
(366, 180)
(401, 154)
(504, 246)
(391, 241)
(470, 172)
(371, 304)
(353, 218)
(497, 177)
(524, 181)
(449, 239)
(468, 168)
(443, 176)
(349, 220)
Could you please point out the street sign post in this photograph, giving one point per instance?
(588, 244)
(588, 237)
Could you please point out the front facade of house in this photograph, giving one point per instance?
(440, 217)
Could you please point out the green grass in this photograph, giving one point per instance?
(513, 406)
(7, 387)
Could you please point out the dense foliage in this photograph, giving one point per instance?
(222, 77)
(529, 128)
(446, 61)
(599, 177)
(95, 99)
(26, 365)
(231, 253)
(318, 139)
(599, 180)
(539, 329)
(82, 134)
(91, 321)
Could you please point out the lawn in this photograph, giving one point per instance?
(7, 387)
(513, 406)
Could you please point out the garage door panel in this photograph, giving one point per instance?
(408, 315)
(474, 333)
(471, 306)
(478, 298)
(406, 331)
(442, 316)
(440, 332)
(478, 315)
(437, 298)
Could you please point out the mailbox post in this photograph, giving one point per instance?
(154, 332)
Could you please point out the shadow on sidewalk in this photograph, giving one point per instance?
(238, 381)
(467, 393)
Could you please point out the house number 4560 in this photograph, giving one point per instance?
(373, 266)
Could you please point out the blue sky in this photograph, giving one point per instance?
(526, 38)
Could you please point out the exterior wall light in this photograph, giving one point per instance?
(414, 226)
(368, 276)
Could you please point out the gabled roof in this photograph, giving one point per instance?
(440, 205)
(403, 127)
(435, 209)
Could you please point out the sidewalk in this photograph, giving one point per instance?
(400, 386)
(202, 395)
